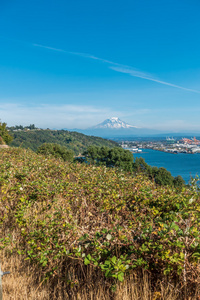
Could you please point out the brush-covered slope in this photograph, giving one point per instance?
(63, 216)
(75, 141)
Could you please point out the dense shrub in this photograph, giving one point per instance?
(161, 176)
(123, 159)
(114, 157)
(178, 181)
(57, 151)
(61, 216)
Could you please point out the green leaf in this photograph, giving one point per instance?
(196, 254)
(120, 276)
(86, 261)
(114, 259)
(89, 257)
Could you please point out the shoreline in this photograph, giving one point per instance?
(173, 152)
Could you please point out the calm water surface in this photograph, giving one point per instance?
(186, 165)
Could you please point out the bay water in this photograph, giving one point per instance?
(186, 165)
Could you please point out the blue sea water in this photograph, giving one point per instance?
(186, 165)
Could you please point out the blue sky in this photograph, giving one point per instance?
(72, 64)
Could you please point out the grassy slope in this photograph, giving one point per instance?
(75, 222)
(78, 142)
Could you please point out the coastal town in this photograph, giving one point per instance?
(169, 145)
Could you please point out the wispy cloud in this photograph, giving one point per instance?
(135, 73)
(82, 116)
(54, 116)
(86, 55)
(50, 48)
(121, 68)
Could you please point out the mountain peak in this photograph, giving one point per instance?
(113, 123)
(114, 119)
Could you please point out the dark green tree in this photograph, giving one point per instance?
(163, 177)
(160, 175)
(31, 126)
(92, 154)
(140, 165)
(114, 157)
(4, 134)
(57, 151)
(179, 181)
(121, 158)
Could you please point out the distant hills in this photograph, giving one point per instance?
(79, 139)
(78, 142)
(114, 128)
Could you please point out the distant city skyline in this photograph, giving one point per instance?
(74, 64)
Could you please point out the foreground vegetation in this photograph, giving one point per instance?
(82, 226)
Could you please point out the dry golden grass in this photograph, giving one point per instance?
(23, 284)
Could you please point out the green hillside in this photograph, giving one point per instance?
(75, 141)
(80, 225)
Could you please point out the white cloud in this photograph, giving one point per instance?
(54, 116)
(81, 116)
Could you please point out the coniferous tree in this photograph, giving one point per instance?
(4, 134)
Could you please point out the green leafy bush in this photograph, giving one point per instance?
(60, 215)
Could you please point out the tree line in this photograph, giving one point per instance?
(123, 159)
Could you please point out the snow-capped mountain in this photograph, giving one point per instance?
(113, 123)
(114, 127)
